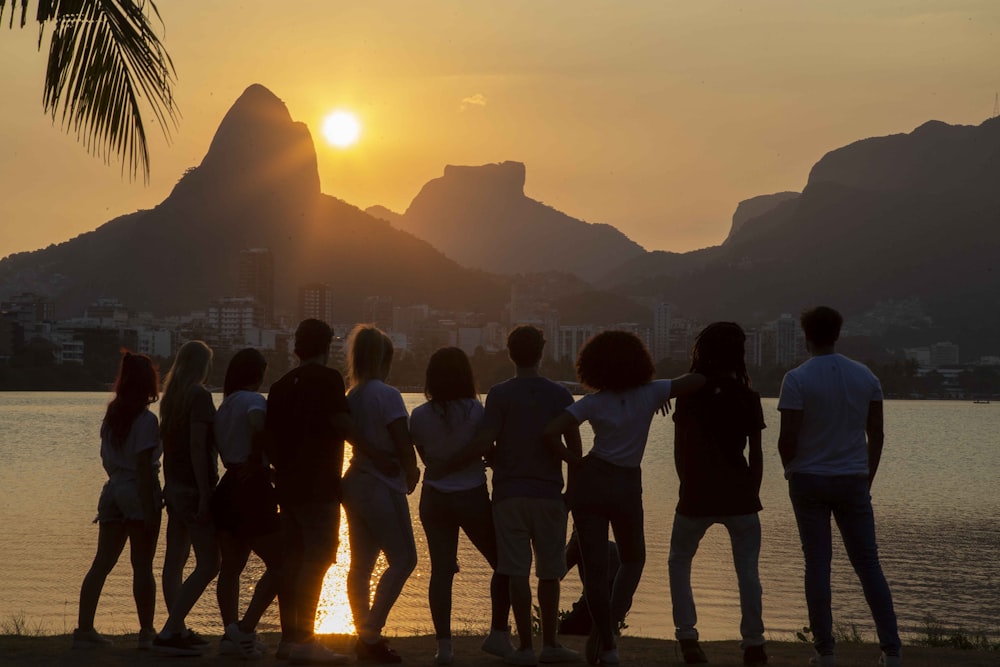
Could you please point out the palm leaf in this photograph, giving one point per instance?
(104, 61)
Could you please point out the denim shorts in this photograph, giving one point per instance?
(120, 501)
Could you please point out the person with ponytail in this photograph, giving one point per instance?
(130, 503)
(712, 428)
(190, 472)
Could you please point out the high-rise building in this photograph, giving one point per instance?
(377, 310)
(257, 280)
(661, 332)
(316, 302)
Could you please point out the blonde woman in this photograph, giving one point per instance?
(378, 515)
(190, 472)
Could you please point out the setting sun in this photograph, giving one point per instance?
(341, 129)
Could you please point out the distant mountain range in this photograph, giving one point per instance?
(911, 217)
(258, 186)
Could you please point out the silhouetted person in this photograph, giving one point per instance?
(528, 508)
(375, 488)
(244, 505)
(190, 473)
(578, 621)
(605, 487)
(830, 444)
(454, 496)
(718, 485)
(131, 502)
(307, 421)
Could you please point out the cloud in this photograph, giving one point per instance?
(477, 100)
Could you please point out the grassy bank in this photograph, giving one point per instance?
(28, 651)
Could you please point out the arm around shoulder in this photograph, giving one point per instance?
(686, 384)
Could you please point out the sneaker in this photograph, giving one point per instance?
(524, 657)
(237, 642)
(558, 653)
(445, 655)
(498, 643)
(314, 653)
(379, 652)
(609, 658)
(90, 639)
(593, 647)
(754, 656)
(176, 644)
(885, 660)
(145, 641)
(195, 639)
(284, 650)
(691, 652)
(823, 660)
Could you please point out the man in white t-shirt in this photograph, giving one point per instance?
(830, 445)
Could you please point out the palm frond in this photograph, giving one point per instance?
(104, 60)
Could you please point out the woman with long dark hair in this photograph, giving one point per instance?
(244, 504)
(718, 485)
(605, 489)
(455, 499)
(190, 473)
(130, 504)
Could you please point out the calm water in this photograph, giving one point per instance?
(936, 503)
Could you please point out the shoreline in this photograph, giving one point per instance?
(635, 651)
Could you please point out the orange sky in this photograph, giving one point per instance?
(657, 117)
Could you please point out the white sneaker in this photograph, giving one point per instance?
(145, 641)
(609, 658)
(890, 660)
(314, 653)
(244, 644)
(523, 657)
(84, 639)
(498, 643)
(445, 654)
(558, 653)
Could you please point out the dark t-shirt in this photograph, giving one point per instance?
(178, 468)
(519, 410)
(710, 432)
(302, 444)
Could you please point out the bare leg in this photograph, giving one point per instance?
(206, 553)
(142, 545)
(548, 606)
(268, 548)
(520, 602)
(235, 553)
(178, 550)
(110, 542)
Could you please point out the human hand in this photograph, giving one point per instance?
(665, 408)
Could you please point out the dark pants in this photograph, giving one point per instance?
(603, 494)
(442, 515)
(815, 498)
(309, 533)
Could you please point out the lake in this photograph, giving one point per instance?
(936, 503)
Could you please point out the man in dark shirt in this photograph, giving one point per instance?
(307, 421)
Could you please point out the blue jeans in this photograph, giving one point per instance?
(846, 497)
(744, 533)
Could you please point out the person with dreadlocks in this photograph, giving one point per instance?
(712, 427)
(605, 488)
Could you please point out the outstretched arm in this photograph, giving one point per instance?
(564, 426)
(348, 430)
(876, 438)
(788, 438)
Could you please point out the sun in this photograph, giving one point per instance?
(341, 128)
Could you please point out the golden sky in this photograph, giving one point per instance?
(656, 117)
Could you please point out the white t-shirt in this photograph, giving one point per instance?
(375, 405)
(233, 435)
(438, 436)
(834, 393)
(621, 420)
(144, 434)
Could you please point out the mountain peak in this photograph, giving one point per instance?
(504, 178)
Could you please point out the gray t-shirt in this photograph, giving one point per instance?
(439, 433)
(518, 411)
(833, 393)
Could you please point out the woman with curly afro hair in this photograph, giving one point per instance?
(605, 488)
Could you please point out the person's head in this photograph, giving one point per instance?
(449, 376)
(312, 339)
(720, 350)
(136, 386)
(821, 326)
(369, 354)
(614, 361)
(524, 345)
(245, 371)
(191, 367)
